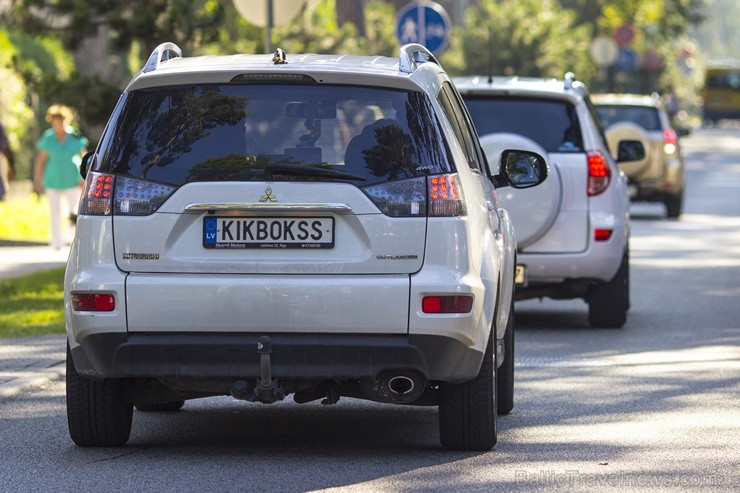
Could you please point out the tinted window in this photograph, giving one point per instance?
(726, 80)
(551, 123)
(177, 135)
(645, 116)
(465, 135)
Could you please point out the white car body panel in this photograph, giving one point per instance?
(298, 304)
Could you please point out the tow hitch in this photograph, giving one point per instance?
(266, 390)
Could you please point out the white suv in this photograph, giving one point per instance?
(573, 231)
(315, 225)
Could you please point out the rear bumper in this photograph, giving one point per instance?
(656, 189)
(599, 262)
(297, 357)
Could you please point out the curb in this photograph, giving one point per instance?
(30, 362)
(25, 380)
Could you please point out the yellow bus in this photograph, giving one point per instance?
(721, 93)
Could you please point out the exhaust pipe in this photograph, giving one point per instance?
(395, 386)
(401, 385)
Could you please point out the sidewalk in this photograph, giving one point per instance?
(17, 259)
(29, 362)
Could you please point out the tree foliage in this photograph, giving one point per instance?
(149, 22)
(317, 30)
(25, 62)
(522, 37)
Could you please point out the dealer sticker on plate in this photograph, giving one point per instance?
(268, 232)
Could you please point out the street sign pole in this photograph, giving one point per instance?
(268, 27)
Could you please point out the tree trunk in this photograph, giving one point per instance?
(352, 11)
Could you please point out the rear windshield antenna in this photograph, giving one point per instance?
(279, 58)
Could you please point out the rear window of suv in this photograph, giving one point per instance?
(645, 116)
(553, 124)
(250, 132)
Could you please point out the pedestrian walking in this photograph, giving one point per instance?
(58, 168)
(8, 153)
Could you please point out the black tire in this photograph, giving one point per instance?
(467, 411)
(98, 414)
(674, 205)
(159, 406)
(505, 374)
(608, 302)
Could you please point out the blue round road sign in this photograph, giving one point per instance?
(425, 23)
(627, 59)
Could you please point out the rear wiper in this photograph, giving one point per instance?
(301, 170)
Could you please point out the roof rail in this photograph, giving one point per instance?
(161, 53)
(570, 77)
(412, 55)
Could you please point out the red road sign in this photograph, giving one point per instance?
(624, 35)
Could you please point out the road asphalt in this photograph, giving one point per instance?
(28, 362)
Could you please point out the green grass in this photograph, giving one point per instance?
(32, 305)
(25, 219)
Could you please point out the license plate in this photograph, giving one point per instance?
(268, 232)
(521, 275)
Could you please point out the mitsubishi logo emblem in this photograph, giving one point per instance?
(268, 196)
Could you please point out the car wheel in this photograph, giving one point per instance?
(98, 414)
(608, 302)
(674, 205)
(505, 374)
(159, 406)
(467, 411)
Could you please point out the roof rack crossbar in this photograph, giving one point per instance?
(412, 55)
(161, 53)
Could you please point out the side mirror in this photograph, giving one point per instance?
(520, 169)
(88, 161)
(683, 131)
(630, 150)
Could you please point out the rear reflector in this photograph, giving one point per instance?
(89, 302)
(602, 234)
(447, 304)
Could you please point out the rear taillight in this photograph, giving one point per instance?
(138, 197)
(598, 173)
(405, 198)
(447, 304)
(97, 195)
(445, 196)
(438, 195)
(90, 302)
(670, 140)
(104, 193)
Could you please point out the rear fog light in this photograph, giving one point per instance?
(447, 304)
(89, 302)
(602, 234)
